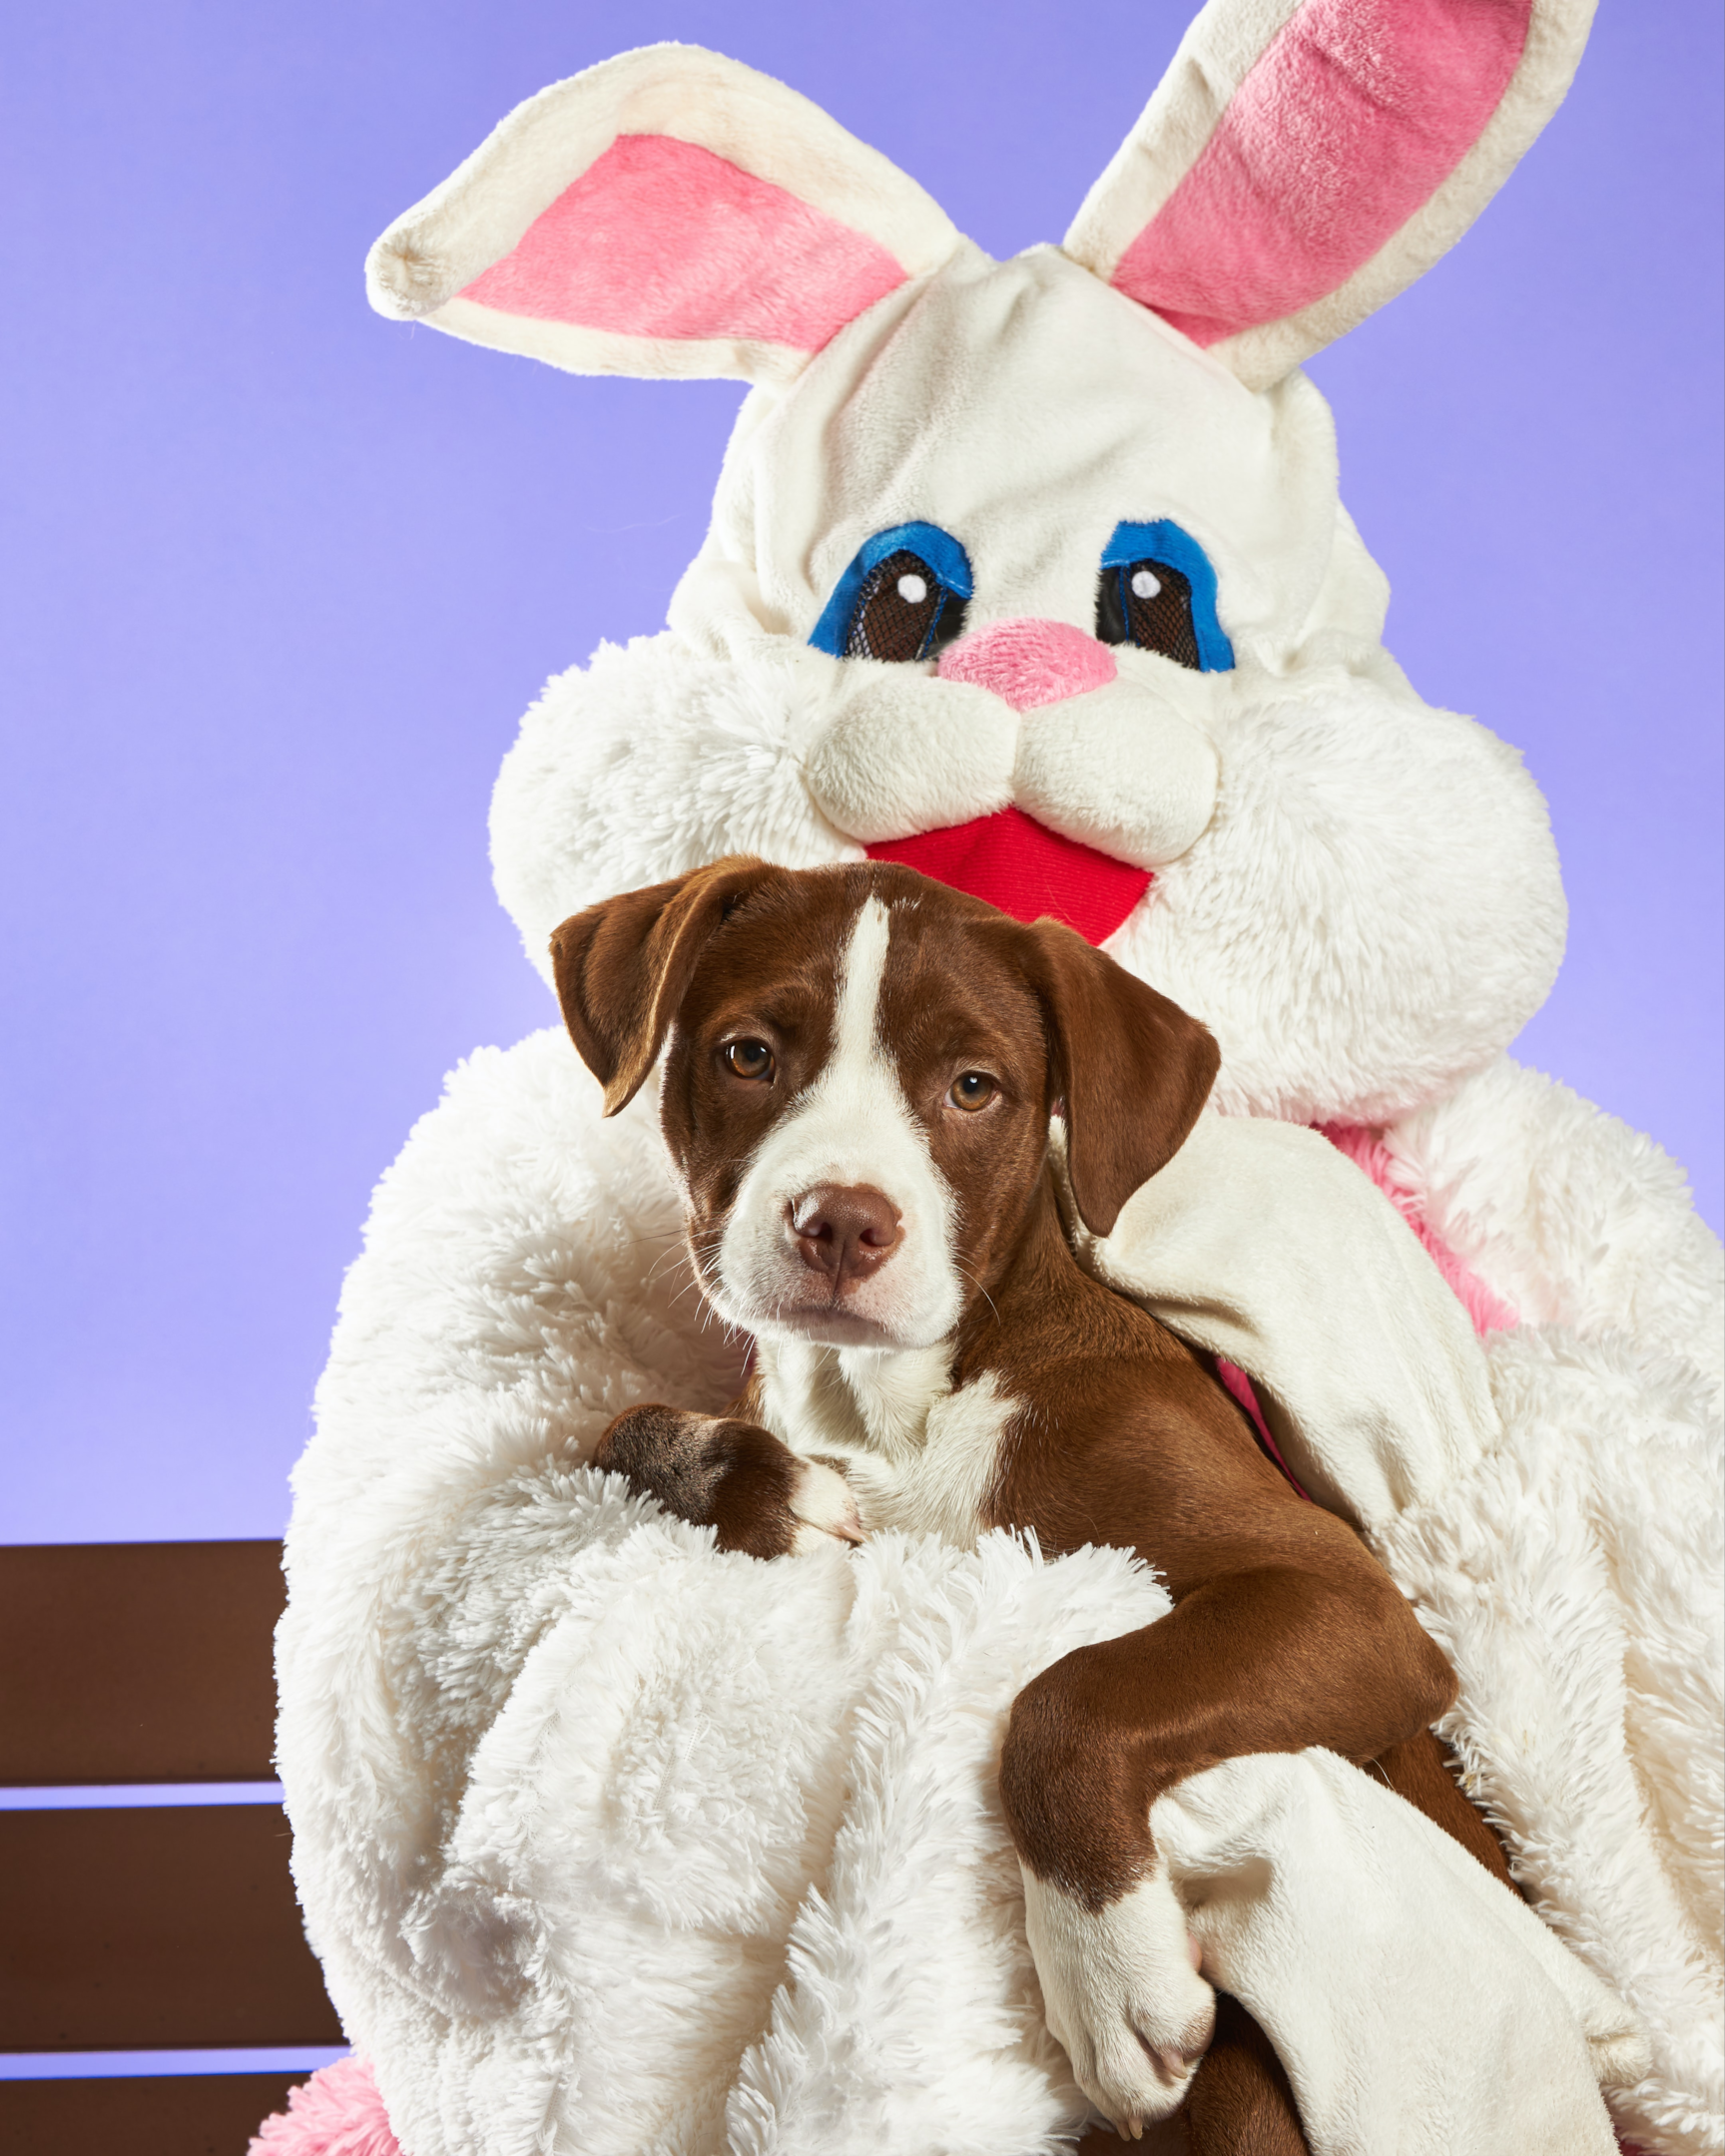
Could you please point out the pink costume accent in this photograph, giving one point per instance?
(1237, 1382)
(1348, 123)
(1486, 1309)
(661, 238)
(338, 2112)
(1029, 662)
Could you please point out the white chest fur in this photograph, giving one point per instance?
(918, 1454)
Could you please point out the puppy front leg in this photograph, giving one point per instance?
(1123, 1994)
(1271, 1659)
(719, 1471)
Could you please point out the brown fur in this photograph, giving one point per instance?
(730, 1474)
(1285, 1632)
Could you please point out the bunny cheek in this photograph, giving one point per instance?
(1127, 767)
(908, 754)
(1121, 769)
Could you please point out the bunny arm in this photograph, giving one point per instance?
(1264, 1245)
(523, 1282)
(1560, 1538)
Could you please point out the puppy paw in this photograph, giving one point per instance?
(1123, 1996)
(730, 1475)
(823, 1507)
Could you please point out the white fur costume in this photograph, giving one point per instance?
(609, 1842)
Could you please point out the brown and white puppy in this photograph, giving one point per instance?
(860, 1071)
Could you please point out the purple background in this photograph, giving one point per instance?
(281, 578)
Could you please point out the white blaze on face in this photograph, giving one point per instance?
(853, 1126)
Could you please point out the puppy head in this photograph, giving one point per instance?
(860, 1069)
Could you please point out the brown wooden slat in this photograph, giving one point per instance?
(167, 2115)
(165, 1926)
(138, 1662)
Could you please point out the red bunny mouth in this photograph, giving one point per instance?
(1010, 860)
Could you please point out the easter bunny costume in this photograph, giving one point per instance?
(585, 1876)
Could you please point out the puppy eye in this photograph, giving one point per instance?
(749, 1058)
(972, 1090)
(903, 597)
(1157, 591)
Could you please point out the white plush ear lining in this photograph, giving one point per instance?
(668, 211)
(1305, 160)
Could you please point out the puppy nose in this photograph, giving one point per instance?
(846, 1231)
(1029, 662)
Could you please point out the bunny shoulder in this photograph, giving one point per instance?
(520, 1282)
(1571, 1217)
(651, 760)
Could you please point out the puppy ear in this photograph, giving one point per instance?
(1133, 1068)
(623, 966)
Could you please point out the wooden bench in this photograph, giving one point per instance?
(161, 1927)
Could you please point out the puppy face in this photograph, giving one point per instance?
(856, 1097)
(861, 1067)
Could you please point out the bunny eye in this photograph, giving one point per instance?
(1157, 591)
(1148, 604)
(903, 611)
(903, 597)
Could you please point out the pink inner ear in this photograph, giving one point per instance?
(1353, 115)
(661, 238)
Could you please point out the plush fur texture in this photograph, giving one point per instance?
(561, 1899)
(1572, 1582)
(1486, 1311)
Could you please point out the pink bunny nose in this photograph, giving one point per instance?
(1027, 663)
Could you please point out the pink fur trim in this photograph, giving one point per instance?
(1237, 1382)
(338, 2112)
(1350, 120)
(661, 238)
(1365, 1149)
(1029, 662)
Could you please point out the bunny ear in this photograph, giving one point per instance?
(1305, 160)
(667, 213)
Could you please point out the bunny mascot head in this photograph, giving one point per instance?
(1032, 575)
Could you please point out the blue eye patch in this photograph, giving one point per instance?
(1157, 620)
(937, 552)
